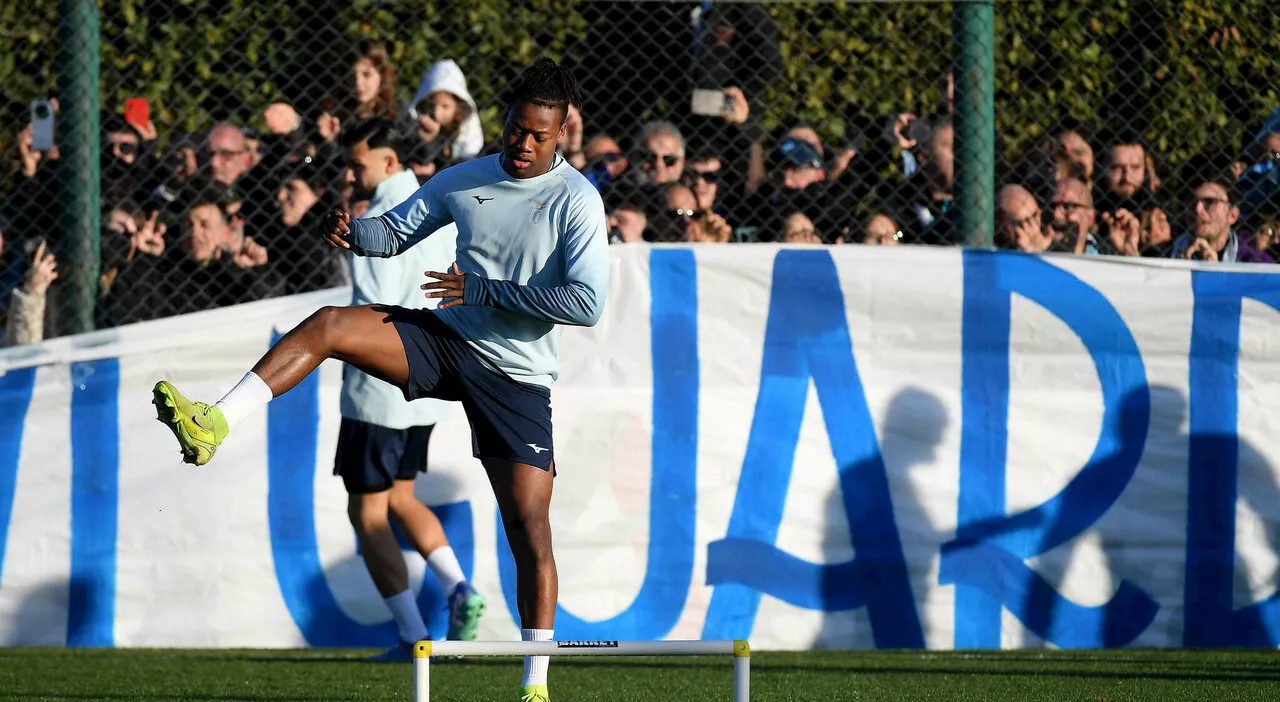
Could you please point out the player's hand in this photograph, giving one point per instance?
(448, 286)
(334, 228)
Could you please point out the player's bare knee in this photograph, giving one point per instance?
(327, 323)
(530, 537)
(403, 501)
(368, 513)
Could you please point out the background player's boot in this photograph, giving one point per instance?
(402, 652)
(200, 428)
(534, 693)
(465, 607)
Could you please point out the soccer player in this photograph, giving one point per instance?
(382, 442)
(532, 256)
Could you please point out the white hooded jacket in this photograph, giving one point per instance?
(446, 76)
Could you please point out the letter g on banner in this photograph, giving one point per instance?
(986, 561)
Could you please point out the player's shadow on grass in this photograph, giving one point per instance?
(913, 427)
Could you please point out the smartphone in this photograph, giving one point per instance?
(41, 125)
(712, 103)
(137, 111)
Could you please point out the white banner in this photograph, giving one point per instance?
(847, 447)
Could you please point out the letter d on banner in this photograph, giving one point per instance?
(1211, 618)
(986, 561)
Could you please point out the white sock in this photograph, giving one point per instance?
(405, 609)
(535, 667)
(248, 396)
(444, 564)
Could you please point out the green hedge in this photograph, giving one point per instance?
(1161, 66)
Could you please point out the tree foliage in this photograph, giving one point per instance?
(1186, 74)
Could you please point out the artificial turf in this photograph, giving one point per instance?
(341, 674)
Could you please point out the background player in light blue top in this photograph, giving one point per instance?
(532, 254)
(383, 441)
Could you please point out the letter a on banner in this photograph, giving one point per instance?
(986, 561)
(807, 336)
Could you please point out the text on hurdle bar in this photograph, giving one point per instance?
(739, 649)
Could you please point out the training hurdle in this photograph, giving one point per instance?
(424, 650)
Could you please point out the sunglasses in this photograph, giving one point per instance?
(126, 148)
(1070, 207)
(1208, 203)
(708, 177)
(670, 160)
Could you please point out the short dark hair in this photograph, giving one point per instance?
(1211, 167)
(1122, 137)
(378, 132)
(548, 84)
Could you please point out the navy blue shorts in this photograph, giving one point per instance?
(370, 458)
(510, 420)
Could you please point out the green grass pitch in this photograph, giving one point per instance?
(340, 674)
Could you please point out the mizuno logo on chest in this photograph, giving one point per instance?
(481, 200)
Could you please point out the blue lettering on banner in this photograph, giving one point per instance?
(807, 336)
(15, 399)
(95, 499)
(986, 560)
(673, 484)
(1210, 618)
(293, 422)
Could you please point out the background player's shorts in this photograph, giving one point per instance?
(510, 420)
(371, 458)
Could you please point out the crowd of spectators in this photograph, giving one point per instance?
(197, 221)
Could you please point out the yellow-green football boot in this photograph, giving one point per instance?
(534, 693)
(200, 428)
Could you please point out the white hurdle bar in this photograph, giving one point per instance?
(424, 650)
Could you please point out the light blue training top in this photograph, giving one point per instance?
(534, 251)
(394, 281)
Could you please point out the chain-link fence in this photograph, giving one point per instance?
(1120, 128)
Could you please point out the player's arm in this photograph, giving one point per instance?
(578, 302)
(392, 232)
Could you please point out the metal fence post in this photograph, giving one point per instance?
(78, 164)
(973, 63)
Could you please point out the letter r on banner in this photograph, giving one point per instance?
(986, 561)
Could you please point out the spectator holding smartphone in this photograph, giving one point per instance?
(24, 308)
